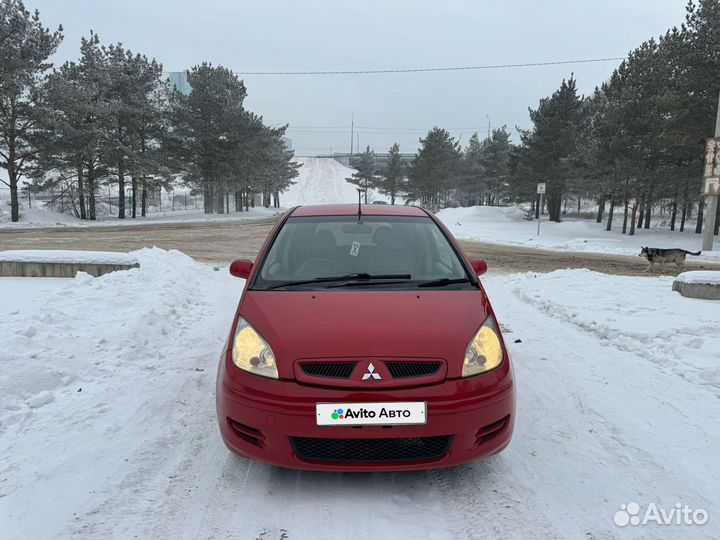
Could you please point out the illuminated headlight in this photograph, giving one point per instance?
(484, 352)
(251, 353)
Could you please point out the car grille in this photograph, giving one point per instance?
(328, 370)
(406, 370)
(344, 370)
(371, 450)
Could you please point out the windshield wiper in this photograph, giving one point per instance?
(375, 280)
(442, 282)
(360, 276)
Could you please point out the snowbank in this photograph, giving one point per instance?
(67, 256)
(96, 369)
(710, 277)
(38, 217)
(508, 226)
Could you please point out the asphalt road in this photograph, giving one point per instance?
(221, 242)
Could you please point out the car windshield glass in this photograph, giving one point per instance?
(404, 251)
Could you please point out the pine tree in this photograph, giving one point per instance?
(261, 163)
(493, 160)
(71, 134)
(473, 181)
(62, 138)
(700, 82)
(364, 177)
(391, 182)
(132, 116)
(149, 122)
(559, 124)
(25, 47)
(435, 169)
(206, 130)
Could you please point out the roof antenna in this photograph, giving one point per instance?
(359, 190)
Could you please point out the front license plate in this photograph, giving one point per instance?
(368, 414)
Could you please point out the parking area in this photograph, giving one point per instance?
(221, 242)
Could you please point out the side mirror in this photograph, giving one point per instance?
(241, 268)
(479, 265)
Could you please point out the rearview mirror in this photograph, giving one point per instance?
(357, 228)
(241, 268)
(479, 265)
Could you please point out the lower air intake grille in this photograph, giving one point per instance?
(329, 370)
(371, 450)
(406, 370)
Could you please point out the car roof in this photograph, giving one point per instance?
(352, 210)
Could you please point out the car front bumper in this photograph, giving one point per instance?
(261, 420)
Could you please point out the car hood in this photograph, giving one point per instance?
(342, 324)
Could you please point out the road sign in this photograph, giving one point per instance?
(712, 158)
(541, 192)
(712, 186)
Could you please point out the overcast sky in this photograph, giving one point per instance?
(294, 35)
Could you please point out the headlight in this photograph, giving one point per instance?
(484, 352)
(251, 353)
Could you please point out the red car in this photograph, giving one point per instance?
(364, 341)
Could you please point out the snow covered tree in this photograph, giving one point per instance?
(364, 177)
(25, 46)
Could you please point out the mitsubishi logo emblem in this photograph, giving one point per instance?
(371, 373)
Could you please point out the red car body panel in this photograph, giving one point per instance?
(259, 416)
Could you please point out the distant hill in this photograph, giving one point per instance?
(322, 181)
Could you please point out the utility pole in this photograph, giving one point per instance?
(489, 131)
(352, 138)
(712, 201)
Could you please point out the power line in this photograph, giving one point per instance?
(427, 70)
(375, 128)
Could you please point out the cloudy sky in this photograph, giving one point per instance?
(306, 35)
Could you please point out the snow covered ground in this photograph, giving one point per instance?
(507, 225)
(320, 181)
(66, 256)
(41, 217)
(107, 417)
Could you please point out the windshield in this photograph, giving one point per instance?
(379, 252)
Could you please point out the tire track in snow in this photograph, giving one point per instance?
(594, 428)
